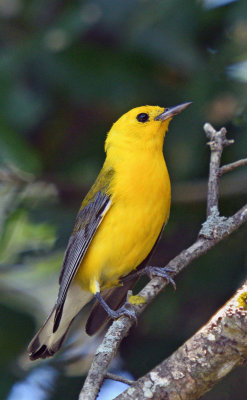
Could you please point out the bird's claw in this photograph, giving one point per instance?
(126, 310)
(162, 272)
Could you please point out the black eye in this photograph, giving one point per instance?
(143, 117)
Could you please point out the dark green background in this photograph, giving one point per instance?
(68, 70)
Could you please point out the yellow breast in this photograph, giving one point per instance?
(141, 195)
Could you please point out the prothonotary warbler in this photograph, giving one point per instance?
(116, 229)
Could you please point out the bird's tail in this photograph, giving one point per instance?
(46, 342)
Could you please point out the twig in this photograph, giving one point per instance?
(192, 370)
(213, 230)
(230, 167)
(118, 378)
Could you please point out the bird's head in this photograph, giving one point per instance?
(142, 126)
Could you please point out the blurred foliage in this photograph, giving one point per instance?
(68, 70)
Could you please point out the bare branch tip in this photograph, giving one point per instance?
(209, 130)
(227, 142)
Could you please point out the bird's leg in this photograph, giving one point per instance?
(151, 272)
(124, 310)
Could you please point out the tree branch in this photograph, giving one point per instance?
(203, 360)
(214, 229)
(217, 142)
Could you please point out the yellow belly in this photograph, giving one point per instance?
(129, 230)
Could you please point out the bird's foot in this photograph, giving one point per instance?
(152, 272)
(126, 309)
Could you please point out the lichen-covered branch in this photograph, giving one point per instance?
(214, 229)
(210, 354)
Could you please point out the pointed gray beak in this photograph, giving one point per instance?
(170, 112)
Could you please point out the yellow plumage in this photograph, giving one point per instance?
(119, 221)
(140, 193)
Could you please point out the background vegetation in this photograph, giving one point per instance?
(68, 70)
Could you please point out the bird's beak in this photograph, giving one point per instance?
(170, 112)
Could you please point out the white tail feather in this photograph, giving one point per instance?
(45, 343)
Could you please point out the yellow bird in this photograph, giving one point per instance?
(116, 229)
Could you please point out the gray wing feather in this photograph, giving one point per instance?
(87, 222)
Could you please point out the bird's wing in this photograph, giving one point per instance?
(94, 207)
(115, 297)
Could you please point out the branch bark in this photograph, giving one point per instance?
(214, 229)
(202, 361)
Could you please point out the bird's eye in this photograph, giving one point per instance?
(143, 117)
